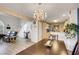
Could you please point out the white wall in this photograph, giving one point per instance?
(40, 31)
(74, 16)
(11, 20)
(1, 27)
(19, 24)
(36, 32)
(25, 27)
(70, 43)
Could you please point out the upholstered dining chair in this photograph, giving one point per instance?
(10, 36)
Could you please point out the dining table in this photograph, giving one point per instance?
(58, 48)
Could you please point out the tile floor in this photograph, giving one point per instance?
(14, 48)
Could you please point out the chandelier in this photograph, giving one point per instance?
(39, 14)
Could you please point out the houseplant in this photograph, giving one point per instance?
(71, 30)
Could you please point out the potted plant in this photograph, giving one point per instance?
(71, 30)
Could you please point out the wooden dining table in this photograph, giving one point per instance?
(39, 48)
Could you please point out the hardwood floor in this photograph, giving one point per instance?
(14, 48)
(58, 48)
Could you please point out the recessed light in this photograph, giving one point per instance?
(55, 21)
(64, 15)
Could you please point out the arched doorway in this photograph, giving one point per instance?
(1, 27)
(25, 28)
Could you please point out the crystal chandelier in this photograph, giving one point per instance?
(39, 14)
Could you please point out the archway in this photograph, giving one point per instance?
(25, 28)
(1, 27)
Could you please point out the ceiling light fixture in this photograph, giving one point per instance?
(55, 21)
(64, 15)
(39, 14)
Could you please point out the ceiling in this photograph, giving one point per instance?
(53, 10)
